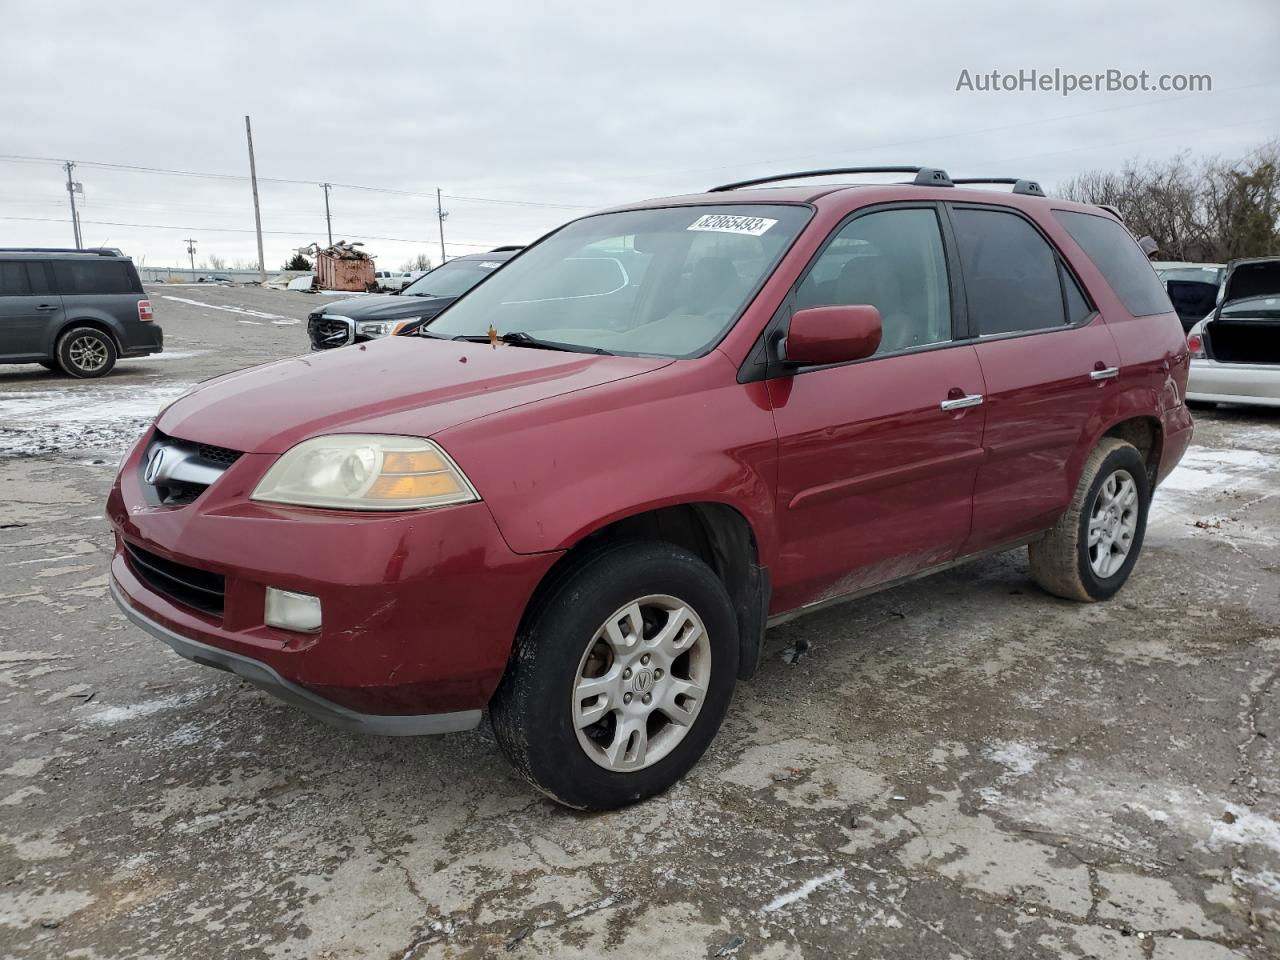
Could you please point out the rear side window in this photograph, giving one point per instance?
(1078, 307)
(1118, 258)
(894, 261)
(95, 276)
(1010, 273)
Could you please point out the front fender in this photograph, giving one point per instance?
(555, 471)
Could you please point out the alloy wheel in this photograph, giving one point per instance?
(1113, 523)
(87, 353)
(641, 682)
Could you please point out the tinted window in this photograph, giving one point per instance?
(894, 261)
(1116, 255)
(1078, 308)
(13, 279)
(94, 276)
(1010, 273)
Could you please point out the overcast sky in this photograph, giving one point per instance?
(577, 105)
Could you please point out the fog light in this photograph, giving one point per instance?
(292, 611)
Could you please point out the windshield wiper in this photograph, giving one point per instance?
(519, 338)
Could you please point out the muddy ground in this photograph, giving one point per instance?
(960, 768)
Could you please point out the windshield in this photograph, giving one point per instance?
(665, 282)
(451, 279)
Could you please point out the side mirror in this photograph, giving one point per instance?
(833, 334)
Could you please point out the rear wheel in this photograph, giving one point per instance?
(1091, 550)
(621, 677)
(86, 352)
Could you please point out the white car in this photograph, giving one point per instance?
(1193, 287)
(1235, 351)
(393, 279)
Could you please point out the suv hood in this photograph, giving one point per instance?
(1252, 278)
(400, 385)
(386, 307)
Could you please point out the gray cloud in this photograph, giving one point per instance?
(572, 104)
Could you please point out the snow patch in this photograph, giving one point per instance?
(802, 892)
(275, 318)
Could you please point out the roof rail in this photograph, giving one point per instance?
(925, 176)
(1027, 188)
(508, 248)
(96, 251)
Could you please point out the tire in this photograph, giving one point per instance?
(86, 353)
(543, 711)
(1063, 562)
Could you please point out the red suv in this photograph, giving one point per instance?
(582, 493)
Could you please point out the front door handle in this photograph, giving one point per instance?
(960, 403)
(47, 306)
(1104, 373)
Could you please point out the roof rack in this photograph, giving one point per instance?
(1028, 188)
(95, 251)
(508, 248)
(925, 176)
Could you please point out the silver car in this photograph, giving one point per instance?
(1235, 351)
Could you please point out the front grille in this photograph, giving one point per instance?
(218, 454)
(327, 332)
(189, 586)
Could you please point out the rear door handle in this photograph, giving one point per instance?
(960, 403)
(1106, 373)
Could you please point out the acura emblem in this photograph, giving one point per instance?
(154, 463)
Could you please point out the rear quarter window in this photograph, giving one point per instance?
(95, 277)
(1119, 259)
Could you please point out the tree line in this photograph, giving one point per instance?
(1207, 209)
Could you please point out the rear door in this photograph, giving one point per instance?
(27, 309)
(877, 458)
(1048, 361)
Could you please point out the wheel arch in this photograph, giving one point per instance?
(97, 323)
(718, 534)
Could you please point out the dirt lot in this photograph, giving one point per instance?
(960, 768)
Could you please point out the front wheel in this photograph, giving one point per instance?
(1091, 550)
(621, 676)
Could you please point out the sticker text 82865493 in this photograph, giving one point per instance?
(728, 223)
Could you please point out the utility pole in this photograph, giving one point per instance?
(72, 188)
(327, 222)
(191, 249)
(257, 212)
(440, 215)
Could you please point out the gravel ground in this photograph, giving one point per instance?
(962, 767)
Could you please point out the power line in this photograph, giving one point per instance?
(169, 172)
(282, 233)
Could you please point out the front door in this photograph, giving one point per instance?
(27, 309)
(877, 458)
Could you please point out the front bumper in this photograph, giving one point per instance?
(1213, 382)
(420, 609)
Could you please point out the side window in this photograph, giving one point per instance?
(1118, 258)
(94, 276)
(1078, 308)
(894, 261)
(13, 279)
(1010, 273)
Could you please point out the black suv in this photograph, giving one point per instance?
(74, 310)
(403, 313)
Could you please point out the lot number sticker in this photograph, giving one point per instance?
(724, 223)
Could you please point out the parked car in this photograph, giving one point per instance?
(581, 496)
(1193, 288)
(1235, 352)
(73, 310)
(387, 280)
(361, 319)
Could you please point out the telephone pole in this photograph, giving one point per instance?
(327, 222)
(257, 212)
(440, 215)
(72, 187)
(191, 249)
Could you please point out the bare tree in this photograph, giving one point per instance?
(216, 262)
(420, 262)
(1211, 209)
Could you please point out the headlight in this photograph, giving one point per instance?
(383, 328)
(362, 472)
